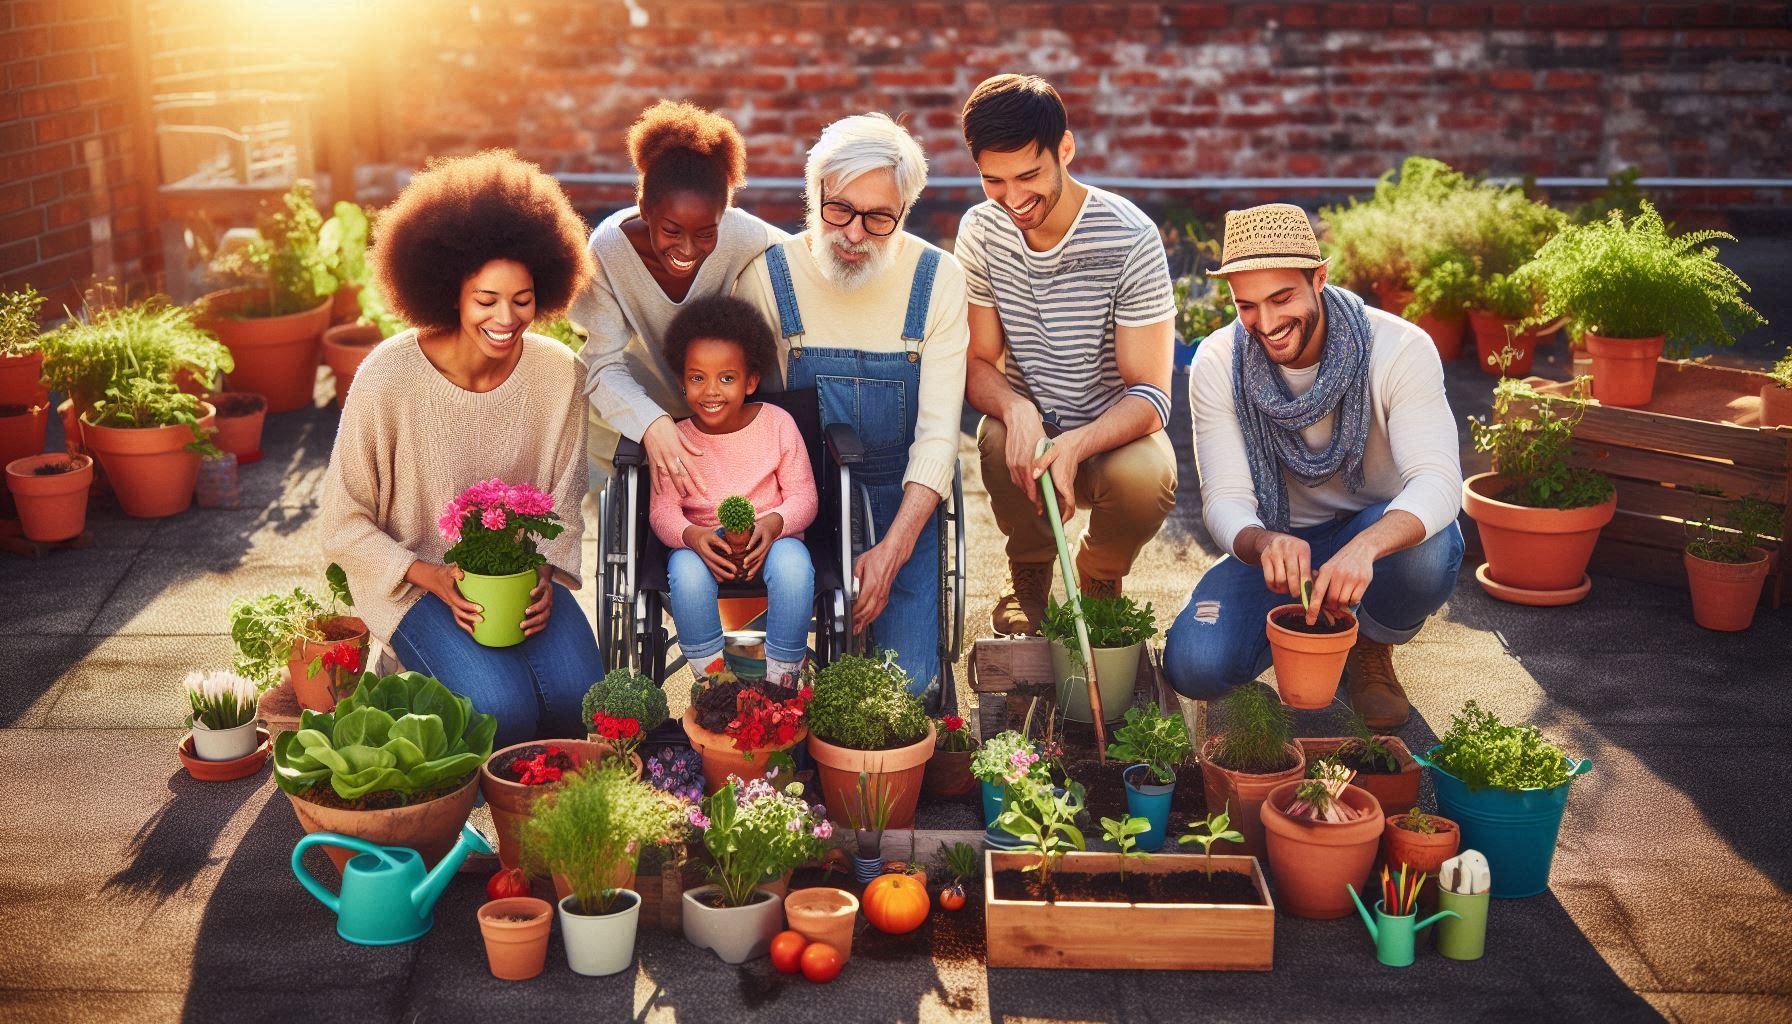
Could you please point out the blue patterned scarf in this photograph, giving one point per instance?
(1272, 418)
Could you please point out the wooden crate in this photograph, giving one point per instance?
(1693, 450)
(1007, 673)
(1129, 936)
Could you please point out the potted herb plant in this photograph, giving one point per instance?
(1251, 756)
(1005, 757)
(736, 516)
(1375, 244)
(1322, 835)
(493, 527)
(149, 436)
(1154, 743)
(320, 646)
(736, 726)
(1539, 515)
(589, 829)
(1776, 394)
(1384, 766)
(1633, 291)
(347, 345)
(1420, 841)
(223, 718)
(1309, 659)
(1439, 299)
(342, 240)
(51, 494)
(1726, 565)
(948, 771)
(752, 831)
(1118, 629)
(1505, 786)
(21, 359)
(863, 719)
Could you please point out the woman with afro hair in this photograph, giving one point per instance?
(471, 253)
(682, 239)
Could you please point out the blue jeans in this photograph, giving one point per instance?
(789, 602)
(1218, 640)
(535, 688)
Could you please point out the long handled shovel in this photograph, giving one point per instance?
(1076, 602)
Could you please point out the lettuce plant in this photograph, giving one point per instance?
(1485, 752)
(1152, 738)
(405, 734)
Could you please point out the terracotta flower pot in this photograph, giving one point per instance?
(1244, 793)
(1445, 331)
(345, 304)
(241, 416)
(516, 950)
(1308, 665)
(1492, 334)
(1420, 851)
(1623, 368)
(1313, 861)
(318, 692)
(53, 507)
(1397, 792)
(21, 378)
(276, 356)
(824, 914)
(345, 347)
(948, 773)
(152, 471)
(1776, 406)
(512, 802)
(1540, 550)
(894, 772)
(1724, 594)
(22, 429)
(721, 760)
(431, 828)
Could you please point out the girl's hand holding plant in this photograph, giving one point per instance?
(766, 530)
(439, 580)
(713, 550)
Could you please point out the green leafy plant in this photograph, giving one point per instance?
(1443, 289)
(267, 629)
(1152, 738)
(627, 696)
(592, 826)
(1485, 752)
(754, 831)
(736, 515)
(141, 403)
(1632, 279)
(1744, 523)
(1125, 834)
(286, 267)
(1005, 755)
(220, 700)
(563, 331)
(342, 242)
(1257, 733)
(873, 801)
(1418, 821)
(105, 347)
(1202, 307)
(1529, 438)
(1508, 297)
(1383, 238)
(1213, 829)
(404, 734)
(1620, 193)
(18, 321)
(1362, 741)
(375, 311)
(1782, 370)
(864, 704)
(960, 860)
(1112, 622)
(1043, 819)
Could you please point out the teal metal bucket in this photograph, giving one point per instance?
(1516, 831)
(993, 798)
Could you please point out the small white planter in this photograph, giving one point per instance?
(601, 944)
(737, 934)
(1116, 673)
(224, 744)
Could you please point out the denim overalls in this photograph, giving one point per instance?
(877, 393)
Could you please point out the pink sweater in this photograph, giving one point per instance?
(764, 462)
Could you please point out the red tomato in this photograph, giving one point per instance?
(896, 904)
(506, 883)
(821, 962)
(787, 951)
(952, 897)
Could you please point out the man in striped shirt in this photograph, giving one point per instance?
(1070, 315)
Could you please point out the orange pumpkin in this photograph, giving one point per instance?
(896, 904)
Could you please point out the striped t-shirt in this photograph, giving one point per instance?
(1059, 307)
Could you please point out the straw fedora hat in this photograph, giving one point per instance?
(1266, 237)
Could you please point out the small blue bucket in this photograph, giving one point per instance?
(1151, 801)
(1516, 831)
(993, 798)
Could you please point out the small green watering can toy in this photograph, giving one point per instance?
(387, 898)
(1394, 933)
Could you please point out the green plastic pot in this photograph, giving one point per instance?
(1116, 673)
(502, 601)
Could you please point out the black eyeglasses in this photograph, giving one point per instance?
(841, 214)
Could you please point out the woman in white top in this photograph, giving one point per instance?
(682, 239)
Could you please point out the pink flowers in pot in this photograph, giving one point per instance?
(493, 527)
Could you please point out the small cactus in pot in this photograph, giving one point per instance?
(736, 514)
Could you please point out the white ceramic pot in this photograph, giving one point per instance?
(223, 744)
(601, 944)
(1116, 673)
(737, 934)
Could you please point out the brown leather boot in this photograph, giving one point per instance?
(1019, 612)
(1375, 692)
(1091, 586)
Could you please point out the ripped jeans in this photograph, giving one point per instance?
(1218, 640)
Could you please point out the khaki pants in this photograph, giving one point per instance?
(1128, 492)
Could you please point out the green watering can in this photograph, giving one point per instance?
(1394, 935)
(387, 898)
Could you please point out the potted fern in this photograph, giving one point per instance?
(1776, 394)
(863, 721)
(1252, 755)
(1726, 564)
(1118, 629)
(1633, 291)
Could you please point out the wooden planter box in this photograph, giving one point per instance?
(1692, 451)
(1129, 936)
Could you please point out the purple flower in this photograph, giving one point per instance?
(696, 818)
(824, 830)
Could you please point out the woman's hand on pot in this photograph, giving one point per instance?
(541, 601)
(666, 451)
(439, 580)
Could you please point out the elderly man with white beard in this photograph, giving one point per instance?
(874, 319)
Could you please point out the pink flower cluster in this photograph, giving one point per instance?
(1022, 762)
(495, 501)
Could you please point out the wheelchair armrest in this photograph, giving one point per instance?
(843, 445)
(629, 453)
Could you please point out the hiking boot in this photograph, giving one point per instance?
(1019, 612)
(1375, 692)
(1090, 586)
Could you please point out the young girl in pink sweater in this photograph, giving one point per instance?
(753, 450)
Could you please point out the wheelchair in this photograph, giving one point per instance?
(633, 592)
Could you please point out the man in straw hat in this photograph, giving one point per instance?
(1326, 450)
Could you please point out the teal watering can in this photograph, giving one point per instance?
(1394, 935)
(387, 897)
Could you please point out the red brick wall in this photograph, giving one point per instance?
(70, 206)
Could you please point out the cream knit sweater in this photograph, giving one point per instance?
(410, 440)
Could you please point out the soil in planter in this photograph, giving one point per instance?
(1136, 887)
(1106, 792)
(715, 900)
(237, 404)
(336, 630)
(384, 800)
(54, 469)
(510, 918)
(1296, 622)
(1363, 764)
(505, 767)
(716, 706)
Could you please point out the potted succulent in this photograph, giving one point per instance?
(1253, 755)
(51, 494)
(149, 436)
(241, 416)
(1118, 629)
(1726, 565)
(320, 648)
(590, 828)
(1632, 291)
(347, 345)
(863, 719)
(493, 527)
(1005, 757)
(1309, 658)
(622, 708)
(272, 319)
(736, 516)
(1420, 841)
(752, 831)
(1776, 394)
(515, 929)
(1154, 743)
(223, 718)
(948, 771)
(736, 726)
(1539, 515)
(21, 358)
(1384, 766)
(1322, 834)
(1505, 786)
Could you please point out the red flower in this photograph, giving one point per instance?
(953, 723)
(345, 655)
